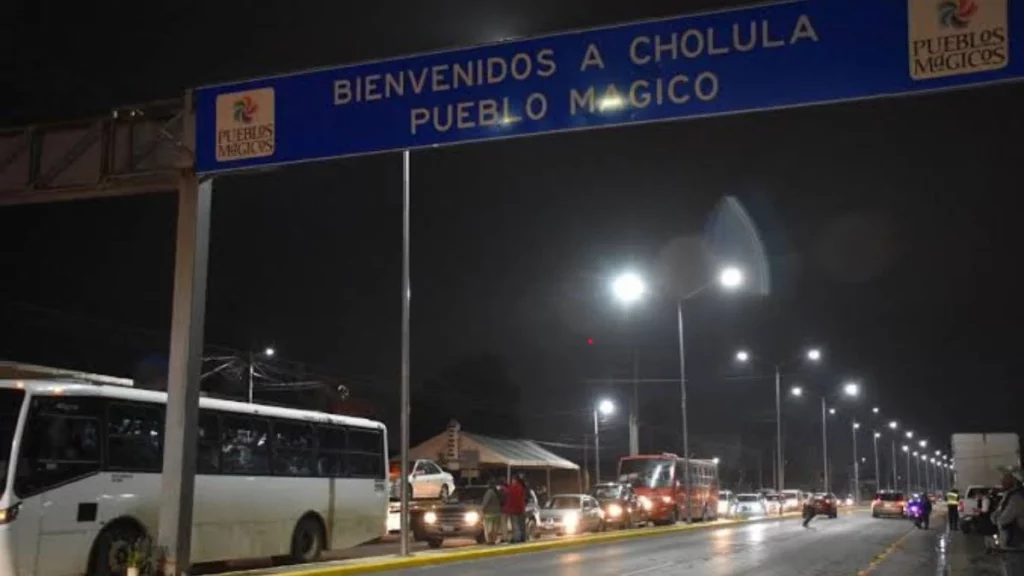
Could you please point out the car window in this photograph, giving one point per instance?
(979, 491)
(889, 496)
(431, 468)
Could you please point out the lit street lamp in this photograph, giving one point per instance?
(797, 391)
(906, 450)
(729, 278)
(629, 288)
(849, 389)
(812, 355)
(267, 352)
(893, 426)
(878, 473)
(856, 465)
(603, 408)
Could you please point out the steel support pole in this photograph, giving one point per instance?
(908, 474)
(404, 478)
(252, 374)
(779, 466)
(597, 451)
(824, 445)
(682, 391)
(856, 467)
(878, 473)
(174, 532)
(634, 407)
(895, 479)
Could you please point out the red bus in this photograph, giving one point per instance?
(659, 479)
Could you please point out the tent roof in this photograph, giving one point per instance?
(516, 453)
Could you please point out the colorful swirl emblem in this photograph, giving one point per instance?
(957, 13)
(245, 108)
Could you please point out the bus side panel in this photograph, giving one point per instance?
(73, 515)
(361, 507)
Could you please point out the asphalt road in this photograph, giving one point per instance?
(851, 545)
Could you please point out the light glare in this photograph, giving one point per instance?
(629, 288)
(731, 277)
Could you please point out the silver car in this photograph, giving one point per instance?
(571, 514)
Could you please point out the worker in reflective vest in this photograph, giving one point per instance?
(953, 508)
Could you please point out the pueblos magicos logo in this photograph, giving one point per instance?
(957, 13)
(245, 125)
(955, 37)
(245, 109)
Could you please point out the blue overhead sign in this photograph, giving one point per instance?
(762, 57)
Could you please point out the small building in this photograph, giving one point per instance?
(475, 458)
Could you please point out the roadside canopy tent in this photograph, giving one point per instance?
(458, 450)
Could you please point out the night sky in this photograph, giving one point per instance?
(890, 226)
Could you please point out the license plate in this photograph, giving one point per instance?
(447, 528)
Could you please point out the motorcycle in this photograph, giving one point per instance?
(916, 513)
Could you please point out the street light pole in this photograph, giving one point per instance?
(682, 390)
(781, 474)
(907, 450)
(878, 473)
(895, 481)
(824, 444)
(597, 451)
(856, 466)
(252, 371)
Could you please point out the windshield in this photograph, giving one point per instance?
(469, 495)
(610, 492)
(746, 498)
(562, 503)
(10, 405)
(772, 497)
(647, 472)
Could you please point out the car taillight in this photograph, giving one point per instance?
(899, 503)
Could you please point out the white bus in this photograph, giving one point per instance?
(80, 478)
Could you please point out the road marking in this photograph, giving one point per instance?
(648, 569)
(885, 554)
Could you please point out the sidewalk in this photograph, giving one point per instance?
(966, 555)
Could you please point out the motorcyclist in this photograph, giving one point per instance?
(925, 505)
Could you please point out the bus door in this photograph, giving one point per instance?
(58, 515)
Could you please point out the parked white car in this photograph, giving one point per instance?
(726, 504)
(426, 481)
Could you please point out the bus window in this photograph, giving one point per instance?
(365, 453)
(294, 449)
(331, 456)
(208, 444)
(60, 444)
(244, 446)
(135, 437)
(10, 406)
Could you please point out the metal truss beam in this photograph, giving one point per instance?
(132, 150)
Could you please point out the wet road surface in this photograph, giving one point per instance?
(852, 544)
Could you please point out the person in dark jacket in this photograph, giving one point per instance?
(491, 509)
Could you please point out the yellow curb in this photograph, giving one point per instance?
(477, 553)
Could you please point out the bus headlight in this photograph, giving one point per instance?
(570, 522)
(645, 503)
(471, 518)
(666, 499)
(8, 515)
(614, 511)
(429, 518)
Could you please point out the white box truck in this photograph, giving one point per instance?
(977, 460)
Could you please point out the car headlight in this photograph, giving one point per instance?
(471, 518)
(615, 510)
(430, 518)
(666, 499)
(645, 503)
(570, 521)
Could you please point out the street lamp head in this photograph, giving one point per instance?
(906, 448)
(856, 425)
(268, 352)
(743, 356)
(814, 355)
(606, 407)
(916, 453)
(938, 452)
(923, 443)
(731, 277)
(894, 425)
(796, 391)
(878, 434)
(628, 288)
(716, 460)
(910, 434)
(875, 410)
(832, 411)
(851, 389)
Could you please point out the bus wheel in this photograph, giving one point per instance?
(307, 540)
(110, 552)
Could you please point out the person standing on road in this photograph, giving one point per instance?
(1009, 518)
(515, 508)
(953, 509)
(491, 509)
(810, 510)
(926, 512)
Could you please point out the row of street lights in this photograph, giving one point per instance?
(630, 288)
